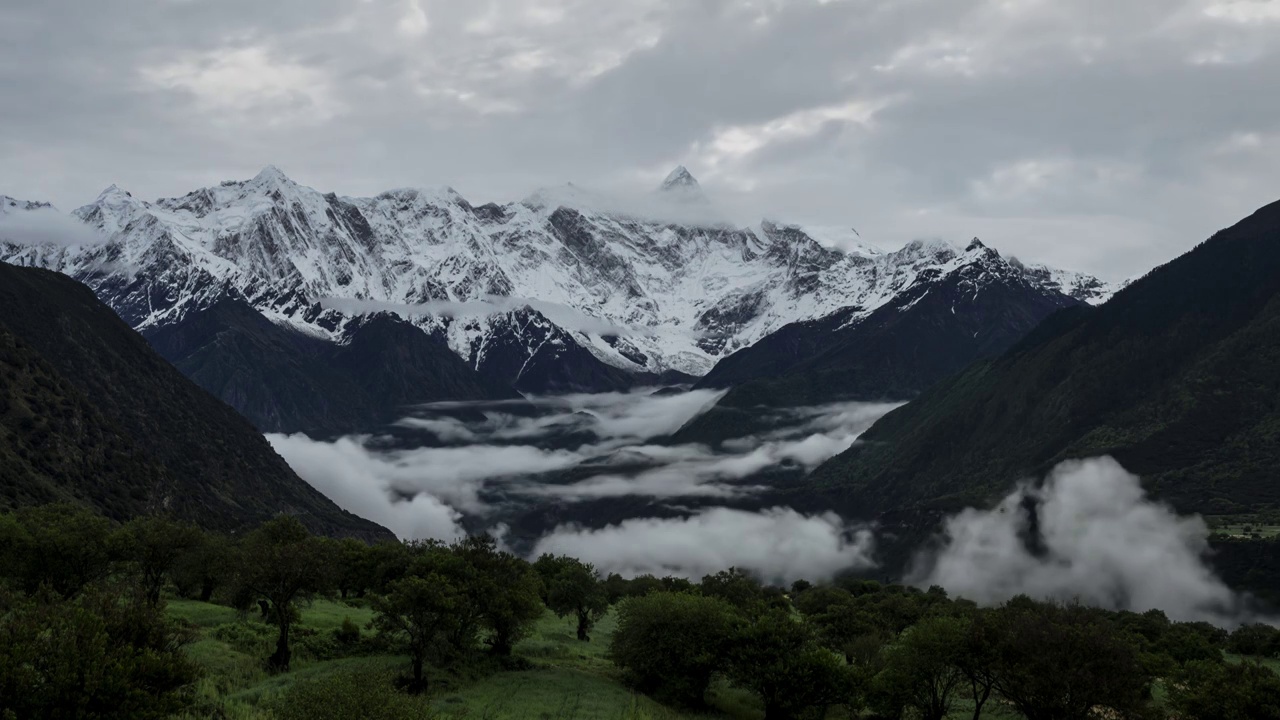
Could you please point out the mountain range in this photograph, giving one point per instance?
(262, 291)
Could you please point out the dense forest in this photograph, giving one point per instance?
(155, 618)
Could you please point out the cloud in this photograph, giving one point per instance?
(903, 119)
(779, 545)
(566, 317)
(45, 226)
(1090, 534)
(485, 467)
(344, 474)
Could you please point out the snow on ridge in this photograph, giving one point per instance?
(700, 290)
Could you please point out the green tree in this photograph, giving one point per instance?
(206, 567)
(670, 644)
(282, 562)
(1213, 690)
(779, 659)
(922, 669)
(154, 545)
(355, 567)
(63, 546)
(504, 589)
(737, 587)
(421, 609)
(1062, 662)
(1255, 640)
(571, 587)
(105, 653)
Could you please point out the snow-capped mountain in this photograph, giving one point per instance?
(636, 290)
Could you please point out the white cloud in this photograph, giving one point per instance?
(343, 472)
(414, 22)
(250, 81)
(45, 226)
(1097, 538)
(779, 545)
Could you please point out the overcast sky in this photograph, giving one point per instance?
(1102, 135)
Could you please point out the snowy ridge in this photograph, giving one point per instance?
(639, 293)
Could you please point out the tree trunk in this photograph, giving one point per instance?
(978, 702)
(584, 623)
(206, 591)
(279, 661)
(419, 685)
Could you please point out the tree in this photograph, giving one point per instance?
(778, 658)
(1061, 662)
(736, 587)
(105, 653)
(282, 562)
(1255, 640)
(922, 669)
(421, 609)
(204, 568)
(1213, 690)
(670, 644)
(572, 587)
(63, 546)
(504, 589)
(355, 567)
(154, 545)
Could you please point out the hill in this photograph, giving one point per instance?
(1175, 377)
(90, 413)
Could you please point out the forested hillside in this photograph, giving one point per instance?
(90, 412)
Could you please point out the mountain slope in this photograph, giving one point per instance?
(92, 413)
(974, 305)
(1175, 377)
(284, 380)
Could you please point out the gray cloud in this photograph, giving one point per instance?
(1100, 540)
(1104, 136)
(779, 545)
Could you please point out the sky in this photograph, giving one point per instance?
(1099, 135)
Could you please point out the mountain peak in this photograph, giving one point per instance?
(680, 179)
(974, 244)
(270, 175)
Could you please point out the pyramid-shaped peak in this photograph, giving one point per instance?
(680, 179)
(270, 175)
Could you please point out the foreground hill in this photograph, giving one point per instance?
(90, 413)
(1176, 377)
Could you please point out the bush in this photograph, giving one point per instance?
(670, 644)
(368, 695)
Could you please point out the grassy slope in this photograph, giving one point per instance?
(568, 679)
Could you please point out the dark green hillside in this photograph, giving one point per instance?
(89, 412)
(1178, 377)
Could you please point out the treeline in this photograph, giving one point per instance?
(83, 632)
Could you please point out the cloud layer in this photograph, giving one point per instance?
(778, 545)
(1099, 135)
(483, 467)
(1090, 534)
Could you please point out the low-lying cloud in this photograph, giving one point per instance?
(779, 545)
(1089, 534)
(45, 226)
(570, 319)
(608, 442)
